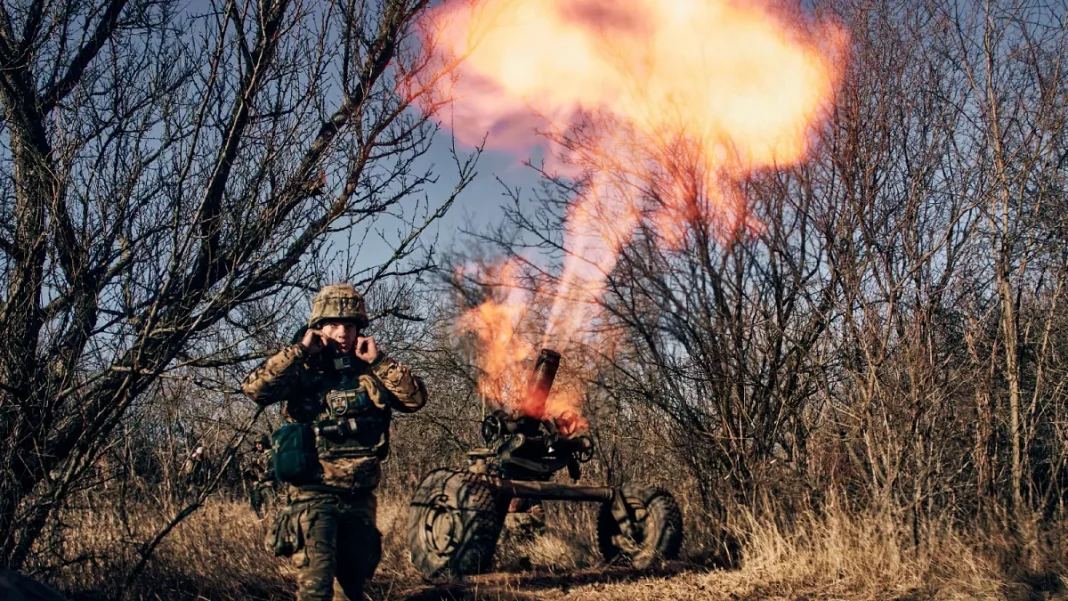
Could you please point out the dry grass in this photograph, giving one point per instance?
(218, 554)
(836, 555)
(870, 556)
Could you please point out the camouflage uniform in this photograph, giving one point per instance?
(261, 471)
(335, 515)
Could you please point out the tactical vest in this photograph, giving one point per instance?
(350, 422)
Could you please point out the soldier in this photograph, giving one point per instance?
(261, 472)
(195, 468)
(338, 382)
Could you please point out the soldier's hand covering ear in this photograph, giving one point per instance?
(366, 350)
(314, 342)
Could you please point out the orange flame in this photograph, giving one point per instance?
(503, 348)
(676, 100)
(507, 351)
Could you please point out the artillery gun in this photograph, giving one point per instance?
(456, 516)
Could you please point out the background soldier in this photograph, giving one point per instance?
(261, 473)
(195, 469)
(339, 383)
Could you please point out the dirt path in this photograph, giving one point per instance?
(682, 583)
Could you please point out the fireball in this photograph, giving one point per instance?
(661, 105)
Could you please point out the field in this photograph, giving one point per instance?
(218, 554)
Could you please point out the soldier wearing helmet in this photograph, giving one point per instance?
(337, 384)
(260, 471)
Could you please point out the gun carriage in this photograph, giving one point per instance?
(456, 516)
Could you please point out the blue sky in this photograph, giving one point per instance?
(480, 205)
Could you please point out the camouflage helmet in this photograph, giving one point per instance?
(338, 302)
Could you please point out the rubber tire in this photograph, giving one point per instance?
(658, 520)
(454, 521)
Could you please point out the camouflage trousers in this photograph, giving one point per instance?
(340, 542)
(261, 494)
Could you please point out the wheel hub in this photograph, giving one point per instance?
(440, 527)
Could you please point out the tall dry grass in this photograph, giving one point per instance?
(869, 555)
(218, 554)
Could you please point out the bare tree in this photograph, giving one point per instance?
(170, 174)
(1013, 61)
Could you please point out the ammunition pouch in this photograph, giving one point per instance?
(365, 435)
(338, 428)
(296, 459)
(355, 425)
(284, 537)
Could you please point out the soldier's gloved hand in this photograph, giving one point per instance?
(314, 342)
(366, 350)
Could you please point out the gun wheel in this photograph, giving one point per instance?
(654, 533)
(454, 521)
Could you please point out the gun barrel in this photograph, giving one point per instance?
(541, 381)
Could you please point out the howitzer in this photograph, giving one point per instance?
(456, 516)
